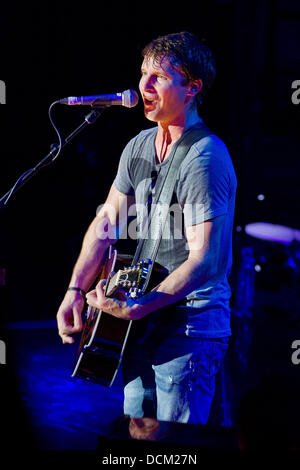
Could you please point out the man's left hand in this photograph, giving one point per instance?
(119, 306)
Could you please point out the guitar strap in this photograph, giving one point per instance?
(148, 245)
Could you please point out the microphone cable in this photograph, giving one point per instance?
(56, 130)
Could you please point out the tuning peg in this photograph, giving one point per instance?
(132, 293)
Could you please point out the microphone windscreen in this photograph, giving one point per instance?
(130, 98)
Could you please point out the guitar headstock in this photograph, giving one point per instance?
(131, 280)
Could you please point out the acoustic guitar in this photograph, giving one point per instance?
(104, 336)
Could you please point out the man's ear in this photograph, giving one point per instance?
(195, 87)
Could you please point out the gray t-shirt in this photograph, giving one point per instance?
(205, 188)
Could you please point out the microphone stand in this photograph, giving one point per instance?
(50, 157)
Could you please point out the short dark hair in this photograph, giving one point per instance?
(186, 52)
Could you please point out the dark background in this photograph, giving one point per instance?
(53, 49)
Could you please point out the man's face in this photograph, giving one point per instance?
(164, 91)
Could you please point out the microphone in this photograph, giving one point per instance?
(128, 98)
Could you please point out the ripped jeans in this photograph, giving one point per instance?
(176, 381)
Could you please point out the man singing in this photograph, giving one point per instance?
(181, 327)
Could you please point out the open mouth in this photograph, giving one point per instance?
(149, 101)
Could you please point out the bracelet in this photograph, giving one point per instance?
(81, 291)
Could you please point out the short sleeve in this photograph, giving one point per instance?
(123, 180)
(204, 185)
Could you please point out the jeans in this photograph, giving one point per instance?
(173, 380)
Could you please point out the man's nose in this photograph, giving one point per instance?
(147, 83)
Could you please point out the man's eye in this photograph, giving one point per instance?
(161, 78)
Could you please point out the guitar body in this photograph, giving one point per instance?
(104, 336)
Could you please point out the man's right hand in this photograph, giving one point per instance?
(95, 244)
(68, 317)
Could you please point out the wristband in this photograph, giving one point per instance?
(81, 291)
